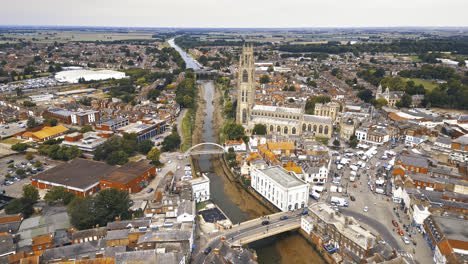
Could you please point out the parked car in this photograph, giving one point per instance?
(405, 240)
(366, 209)
(10, 161)
(265, 222)
(395, 223)
(352, 198)
(305, 212)
(150, 190)
(400, 232)
(207, 250)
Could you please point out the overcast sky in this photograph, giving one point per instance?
(235, 13)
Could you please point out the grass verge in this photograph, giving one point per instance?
(187, 128)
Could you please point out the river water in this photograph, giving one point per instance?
(239, 205)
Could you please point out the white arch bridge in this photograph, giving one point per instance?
(192, 151)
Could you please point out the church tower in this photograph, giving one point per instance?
(245, 85)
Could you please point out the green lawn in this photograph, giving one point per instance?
(428, 85)
(322, 140)
(413, 58)
(10, 141)
(187, 123)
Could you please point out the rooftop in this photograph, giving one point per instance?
(282, 177)
(277, 109)
(317, 119)
(453, 228)
(78, 173)
(49, 131)
(128, 172)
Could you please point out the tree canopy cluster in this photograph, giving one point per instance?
(24, 205)
(117, 149)
(186, 90)
(234, 131)
(53, 150)
(104, 207)
(312, 100)
(171, 142)
(455, 45)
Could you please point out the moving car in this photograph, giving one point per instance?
(207, 250)
(283, 217)
(265, 222)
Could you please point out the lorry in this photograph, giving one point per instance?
(339, 201)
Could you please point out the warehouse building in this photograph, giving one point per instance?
(131, 177)
(79, 176)
(45, 133)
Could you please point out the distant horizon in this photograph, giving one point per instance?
(173, 27)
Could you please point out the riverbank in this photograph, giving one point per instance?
(197, 132)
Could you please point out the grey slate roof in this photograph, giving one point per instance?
(416, 161)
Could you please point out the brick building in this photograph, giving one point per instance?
(131, 177)
(79, 176)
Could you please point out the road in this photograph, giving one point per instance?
(250, 230)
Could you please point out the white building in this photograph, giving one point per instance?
(200, 188)
(316, 175)
(74, 76)
(361, 134)
(412, 141)
(420, 213)
(307, 223)
(185, 212)
(237, 145)
(41, 97)
(282, 188)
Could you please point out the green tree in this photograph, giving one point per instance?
(19, 92)
(20, 147)
(379, 103)
(264, 78)
(29, 156)
(405, 101)
(117, 158)
(31, 123)
(365, 95)
(37, 164)
(21, 205)
(171, 142)
(234, 131)
(154, 155)
(336, 143)
(230, 155)
(86, 128)
(188, 101)
(20, 172)
(259, 129)
(111, 203)
(145, 146)
(270, 68)
(353, 142)
(153, 94)
(28, 104)
(58, 195)
(51, 121)
(81, 213)
(31, 193)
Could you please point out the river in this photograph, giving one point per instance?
(239, 205)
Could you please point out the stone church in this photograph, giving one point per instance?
(277, 119)
(391, 97)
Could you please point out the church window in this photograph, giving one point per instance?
(293, 131)
(304, 127)
(245, 76)
(285, 130)
(326, 129)
(271, 128)
(315, 128)
(278, 129)
(320, 129)
(244, 116)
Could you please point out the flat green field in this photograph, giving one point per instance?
(428, 85)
